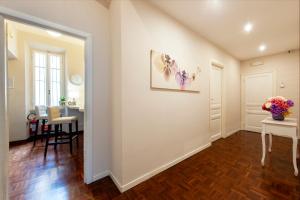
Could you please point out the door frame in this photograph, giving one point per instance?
(243, 92)
(13, 15)
(3, 114)
(214, 63)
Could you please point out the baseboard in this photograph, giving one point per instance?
(215, 137)
(101, 175)
(116, 182)
(110, 174)
(231, 132)
(148, 175)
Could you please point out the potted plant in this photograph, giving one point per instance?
(278, 106)
(62, 101)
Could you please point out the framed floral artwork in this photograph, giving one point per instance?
(166, 73)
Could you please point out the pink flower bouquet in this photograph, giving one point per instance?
(278, 106)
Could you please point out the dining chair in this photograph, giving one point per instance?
(41, 115)
(55, 119)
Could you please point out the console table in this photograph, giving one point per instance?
(286, 128)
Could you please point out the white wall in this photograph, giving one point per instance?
(11, 41)
(285, 66)
(16, 95)
(90, 17)
(116, 138)
(160, 126)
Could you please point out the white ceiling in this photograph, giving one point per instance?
(43, 32)
(275, 23)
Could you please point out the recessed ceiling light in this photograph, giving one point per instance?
(214, 4)
(248, 27)
(53, 33)
(262, 47)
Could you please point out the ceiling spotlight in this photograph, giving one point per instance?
(262, 47)
(53, 33)
(248, 27)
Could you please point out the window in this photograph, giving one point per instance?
(48, 79)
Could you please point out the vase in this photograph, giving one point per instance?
(278, 117)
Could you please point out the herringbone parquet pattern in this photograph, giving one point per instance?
(230, 169)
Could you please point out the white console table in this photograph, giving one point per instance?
(286, 128)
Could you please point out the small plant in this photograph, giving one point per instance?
(62, 100)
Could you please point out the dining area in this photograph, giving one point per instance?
(53, 155)
(55, 126)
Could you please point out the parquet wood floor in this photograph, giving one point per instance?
(229, 169)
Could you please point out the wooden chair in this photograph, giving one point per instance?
(41, 115)
(55, 119)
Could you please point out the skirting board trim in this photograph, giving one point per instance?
(215, 137)
(231, 132)
(146, 176)
(116, 182)
(162, 168)
(101, 175)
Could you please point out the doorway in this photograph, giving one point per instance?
(216, 114)
(256, 88)
(41, 66)
(5, 83)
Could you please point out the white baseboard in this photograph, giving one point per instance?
(231, 132)
(253, 129)
(215, 137)
(116, 182)
(101, 175)
(146, 176)
(162, 168)
(110, 174)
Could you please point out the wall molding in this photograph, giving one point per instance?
(106, 173)
(101, 175)
(215, 137)
(232, 132)
(152, 173)
(148, 175)
(116, 182)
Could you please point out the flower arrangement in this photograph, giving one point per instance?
(278, 106)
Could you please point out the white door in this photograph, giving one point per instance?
(216, 102)
(3, 114)
(257, 89)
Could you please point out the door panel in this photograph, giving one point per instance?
(258, 88)
(216, 102)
